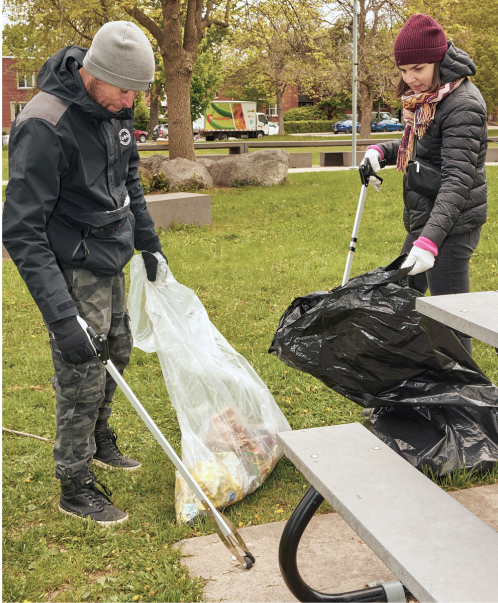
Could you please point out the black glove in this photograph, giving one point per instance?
(151, 262)
(72, 340)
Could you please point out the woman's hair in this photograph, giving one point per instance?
(402, 88)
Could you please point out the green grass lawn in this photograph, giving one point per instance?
(265, 247)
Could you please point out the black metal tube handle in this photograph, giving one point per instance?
(366, 171)
(287, 558)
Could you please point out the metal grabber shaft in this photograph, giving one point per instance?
(365, 172)
(225, 529)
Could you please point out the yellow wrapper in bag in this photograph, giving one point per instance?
(218, 479)
(239, 459)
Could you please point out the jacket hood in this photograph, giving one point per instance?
(455, 65)
(60, 77)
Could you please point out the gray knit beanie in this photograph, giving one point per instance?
(121, 55)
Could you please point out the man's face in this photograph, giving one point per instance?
(110, 97)
(418, 77)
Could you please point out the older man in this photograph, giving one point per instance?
(74, 213)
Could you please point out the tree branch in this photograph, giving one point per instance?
(146, 22)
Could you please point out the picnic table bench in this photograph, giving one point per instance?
(438, 550)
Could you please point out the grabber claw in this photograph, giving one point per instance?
(232, 540)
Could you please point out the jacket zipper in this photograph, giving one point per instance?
(117, 138)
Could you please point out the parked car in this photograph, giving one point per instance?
(344, 126)
(141, 135)
(160, 131)
(273, 128)
(387, 125)
(376, 116)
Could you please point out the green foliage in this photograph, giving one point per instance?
(141, 117)
(306, 113)
(207, 74)
(150, 183)
(242, 183)
(294, 127)
(161, 183)
(339, 103)
(37, 29)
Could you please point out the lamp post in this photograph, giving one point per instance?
(355, 80)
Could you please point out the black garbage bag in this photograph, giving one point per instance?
(366, 341)
(440, 438)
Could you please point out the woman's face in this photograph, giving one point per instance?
(418, 76)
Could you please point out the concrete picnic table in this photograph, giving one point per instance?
(475, 314)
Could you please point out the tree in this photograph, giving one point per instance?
(41, 27)
(141, 117)
(273, 46)
(179, 26)
(377, 23)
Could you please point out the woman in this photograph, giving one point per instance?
(446, 128)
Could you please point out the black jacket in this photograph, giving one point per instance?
(72, 165)
(455, 143)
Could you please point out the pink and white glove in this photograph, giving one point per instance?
(422, 256)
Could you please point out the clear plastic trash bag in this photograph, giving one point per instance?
(227, 415)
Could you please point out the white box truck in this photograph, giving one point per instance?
(237, 119)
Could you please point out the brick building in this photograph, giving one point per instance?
(17, 89)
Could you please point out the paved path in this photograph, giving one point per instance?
(317, 168)
(332, 558)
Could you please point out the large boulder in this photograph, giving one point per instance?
(153, 163)
(181, 174)
(186, 175)
(263, 168)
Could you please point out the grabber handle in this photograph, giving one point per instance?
(366, 171)
(99, 342)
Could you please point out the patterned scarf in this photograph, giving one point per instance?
(418, 113)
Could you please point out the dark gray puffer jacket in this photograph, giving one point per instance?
(72, 166)
(455, 143)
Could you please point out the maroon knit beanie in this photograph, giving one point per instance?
(421, 40)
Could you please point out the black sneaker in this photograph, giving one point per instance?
(108, 455)
(80, 498)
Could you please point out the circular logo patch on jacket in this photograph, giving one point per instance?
(124, 136)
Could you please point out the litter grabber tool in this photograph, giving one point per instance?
(365, 172)
(224, 528)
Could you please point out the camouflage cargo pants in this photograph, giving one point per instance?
(83, 392)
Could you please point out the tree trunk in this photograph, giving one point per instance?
(178, 77)
(366, 99)
(280, 112)
(154, 107)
